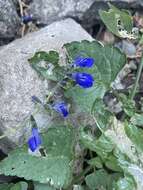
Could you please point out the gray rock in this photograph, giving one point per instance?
(47, 11)
(84, 11)
(18, 81)
(9, 21)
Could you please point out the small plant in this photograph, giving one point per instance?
(110, 151)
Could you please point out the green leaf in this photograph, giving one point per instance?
(118, 22)
(95, 180)
(59, 145)
(100, 180)
(135, 134)
(96, 162)
(17, 186)
(137, 119)
(126, 183)
(128, 154)
(102, 146)
(101, 113)
(112, 163)
(46, 65)
(5, 186)
(127, 104)
(117, 135)
(50, 57)
(59, 141)
(38, 186)
(78, 187)
(20, 163)
(108, 62)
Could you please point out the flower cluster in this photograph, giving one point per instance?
(84, 80)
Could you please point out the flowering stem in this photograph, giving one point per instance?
(137, 79)
(51, 93)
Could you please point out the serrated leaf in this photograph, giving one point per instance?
(59, 141)
(17, 186)
(108, 62)
(5, 186)
(137, 119)
(119, 22)
(59, 144)
(50, 57)
(95, 180)
(135, 134)
(38, 186)
(46, 65)
(20, 163)
(100, 180)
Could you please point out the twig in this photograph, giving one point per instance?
(137, 79)
(21, 7)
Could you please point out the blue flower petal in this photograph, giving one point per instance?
(26, 19)
(32, 144)
(37, 137)
(35, 140)
(84, 62)
(61, 108)
(84, 80)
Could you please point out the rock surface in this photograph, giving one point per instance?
(9, 21)
(18, 81)
(47, 11)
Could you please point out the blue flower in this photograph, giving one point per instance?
(84, 80)
(26, 19)
(84, 62)
(61, 108)
(35, 140)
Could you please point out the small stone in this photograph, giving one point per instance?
(132, 65)
(108, 37)
(129, 48)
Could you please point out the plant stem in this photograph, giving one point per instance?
(137, 79)
(2, 136)
(51, 93)
(82, 175)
